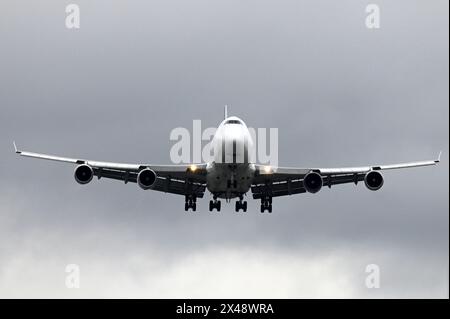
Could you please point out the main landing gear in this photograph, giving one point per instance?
(266, 204)
(190, 202)
(240, 204)
(214, 204)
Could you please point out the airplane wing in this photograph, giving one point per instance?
(281, 181)
(175, 179)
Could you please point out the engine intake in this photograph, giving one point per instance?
(146, 178)
(312, 182)
(373, 180)
(83, 174)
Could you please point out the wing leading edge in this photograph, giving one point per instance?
(175, 179)
(281, 181)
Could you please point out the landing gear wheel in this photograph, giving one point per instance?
(190, 202)
(241, 205)
(266, 204)
(214, 204)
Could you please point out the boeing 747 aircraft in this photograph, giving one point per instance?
(231, 173)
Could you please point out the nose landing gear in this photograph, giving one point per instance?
(240, 204)
(266, 204)
(231, 183)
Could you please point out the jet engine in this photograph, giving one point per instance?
(373, 180)
(83, 174)
(312, 182)
(146, 178)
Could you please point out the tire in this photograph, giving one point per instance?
(262, 208)
(186, 207)
(270, 208)
(211, 206)
(244, 207)
(219, 206)
(194, 207)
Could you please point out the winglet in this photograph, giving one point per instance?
(15, 148)
(439, 157)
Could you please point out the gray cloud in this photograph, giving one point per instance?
(339, 93)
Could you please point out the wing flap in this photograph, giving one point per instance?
(278, 189)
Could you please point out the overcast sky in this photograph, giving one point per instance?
(340, 94)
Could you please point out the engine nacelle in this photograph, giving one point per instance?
(83, 174)
(373, 180)
(312, 182)
(146, 178)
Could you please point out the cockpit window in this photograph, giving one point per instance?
(233, 122)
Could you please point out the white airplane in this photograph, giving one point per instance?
(230, 175)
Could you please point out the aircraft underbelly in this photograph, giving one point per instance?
(228, 180)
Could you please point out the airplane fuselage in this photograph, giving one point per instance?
(231, 172)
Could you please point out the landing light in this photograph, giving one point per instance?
(193, 168)
(267, 169)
